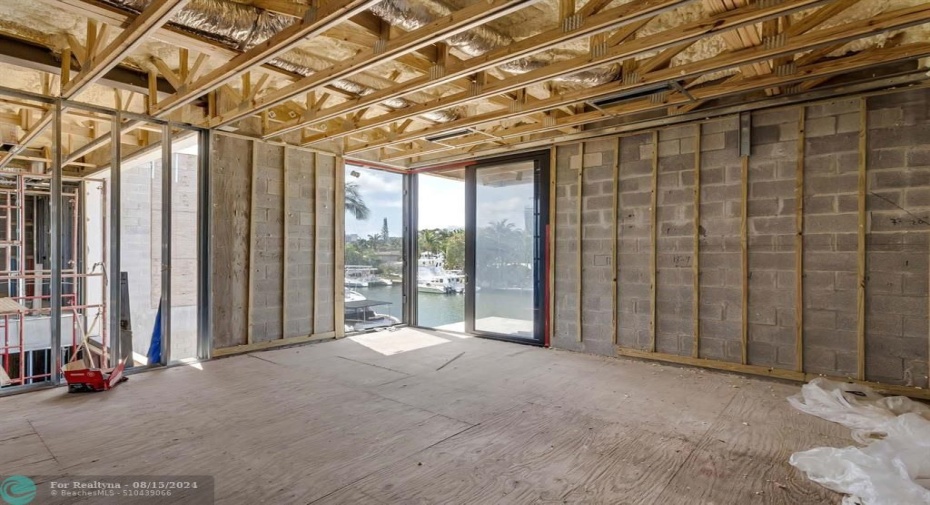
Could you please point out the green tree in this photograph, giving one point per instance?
(430, 241)
(454, 250)
(384, 231)
(355, 204)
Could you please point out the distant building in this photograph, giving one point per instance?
(528, 221)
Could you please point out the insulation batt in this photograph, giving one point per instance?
(242, 26)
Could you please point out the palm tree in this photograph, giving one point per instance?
(355, 204)
(430, 241)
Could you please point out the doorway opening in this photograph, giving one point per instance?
(480, 248)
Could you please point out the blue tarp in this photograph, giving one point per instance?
(155, 347)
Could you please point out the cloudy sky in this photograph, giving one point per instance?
(441, 202)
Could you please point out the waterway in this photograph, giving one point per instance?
(434, 309)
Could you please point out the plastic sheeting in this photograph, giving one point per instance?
(893, 467)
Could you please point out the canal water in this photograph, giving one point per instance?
(436, 309)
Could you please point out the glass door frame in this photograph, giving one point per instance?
(541, 160)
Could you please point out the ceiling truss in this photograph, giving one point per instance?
(767, 51)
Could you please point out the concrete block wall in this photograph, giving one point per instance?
(898, 204)
(230, 172)
(140, 246)
(675, 240)
(720, 256)
(772, 224)
(267, 269)
(597, 240)
(897, 248)
(831, 164)
(300, 247)
(324, 316)
(287, 193)
(634, 244)
(565, 330)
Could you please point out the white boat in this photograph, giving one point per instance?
(360, 315)
(363, 276)
(355, 283)
(432, 277)
(354, 296)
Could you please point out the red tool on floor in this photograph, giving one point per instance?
(85, 375)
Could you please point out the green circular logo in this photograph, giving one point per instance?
(18, 490)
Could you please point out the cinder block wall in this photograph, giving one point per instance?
(793, 312)
(274, 249)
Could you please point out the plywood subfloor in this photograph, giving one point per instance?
(411, 416)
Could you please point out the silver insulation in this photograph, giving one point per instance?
(411, 15)
(242, 26)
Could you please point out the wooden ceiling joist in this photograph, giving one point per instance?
(457, 22)
(861, 61)
(315, 23)
(97, 64)
(892, 20)
(34, 131)
(631, 49)
(614, 18)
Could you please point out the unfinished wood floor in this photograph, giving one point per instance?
(422, 417)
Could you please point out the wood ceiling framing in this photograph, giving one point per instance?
(416, 96)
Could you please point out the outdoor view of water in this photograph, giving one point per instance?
(440, 309)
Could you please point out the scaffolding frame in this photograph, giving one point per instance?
(21, 271)
(56, 273)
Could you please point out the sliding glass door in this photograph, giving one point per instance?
(505, 223)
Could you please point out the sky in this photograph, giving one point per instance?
(441, 202)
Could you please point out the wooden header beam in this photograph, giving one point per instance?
(155, 15)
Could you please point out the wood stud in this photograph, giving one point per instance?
(799, 243)
(579, 207)
(696, 260)
(744, 259)
(339, 246)
(252, 191)
(861, 236)
(615, 230)
(284, 244)
(654, 242)
(317, 211)
(553, 198)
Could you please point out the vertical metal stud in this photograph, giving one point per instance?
(56, 245)
(114, 277)
(410, 254)
(167, 173)
(204, 248)
(745, 133)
